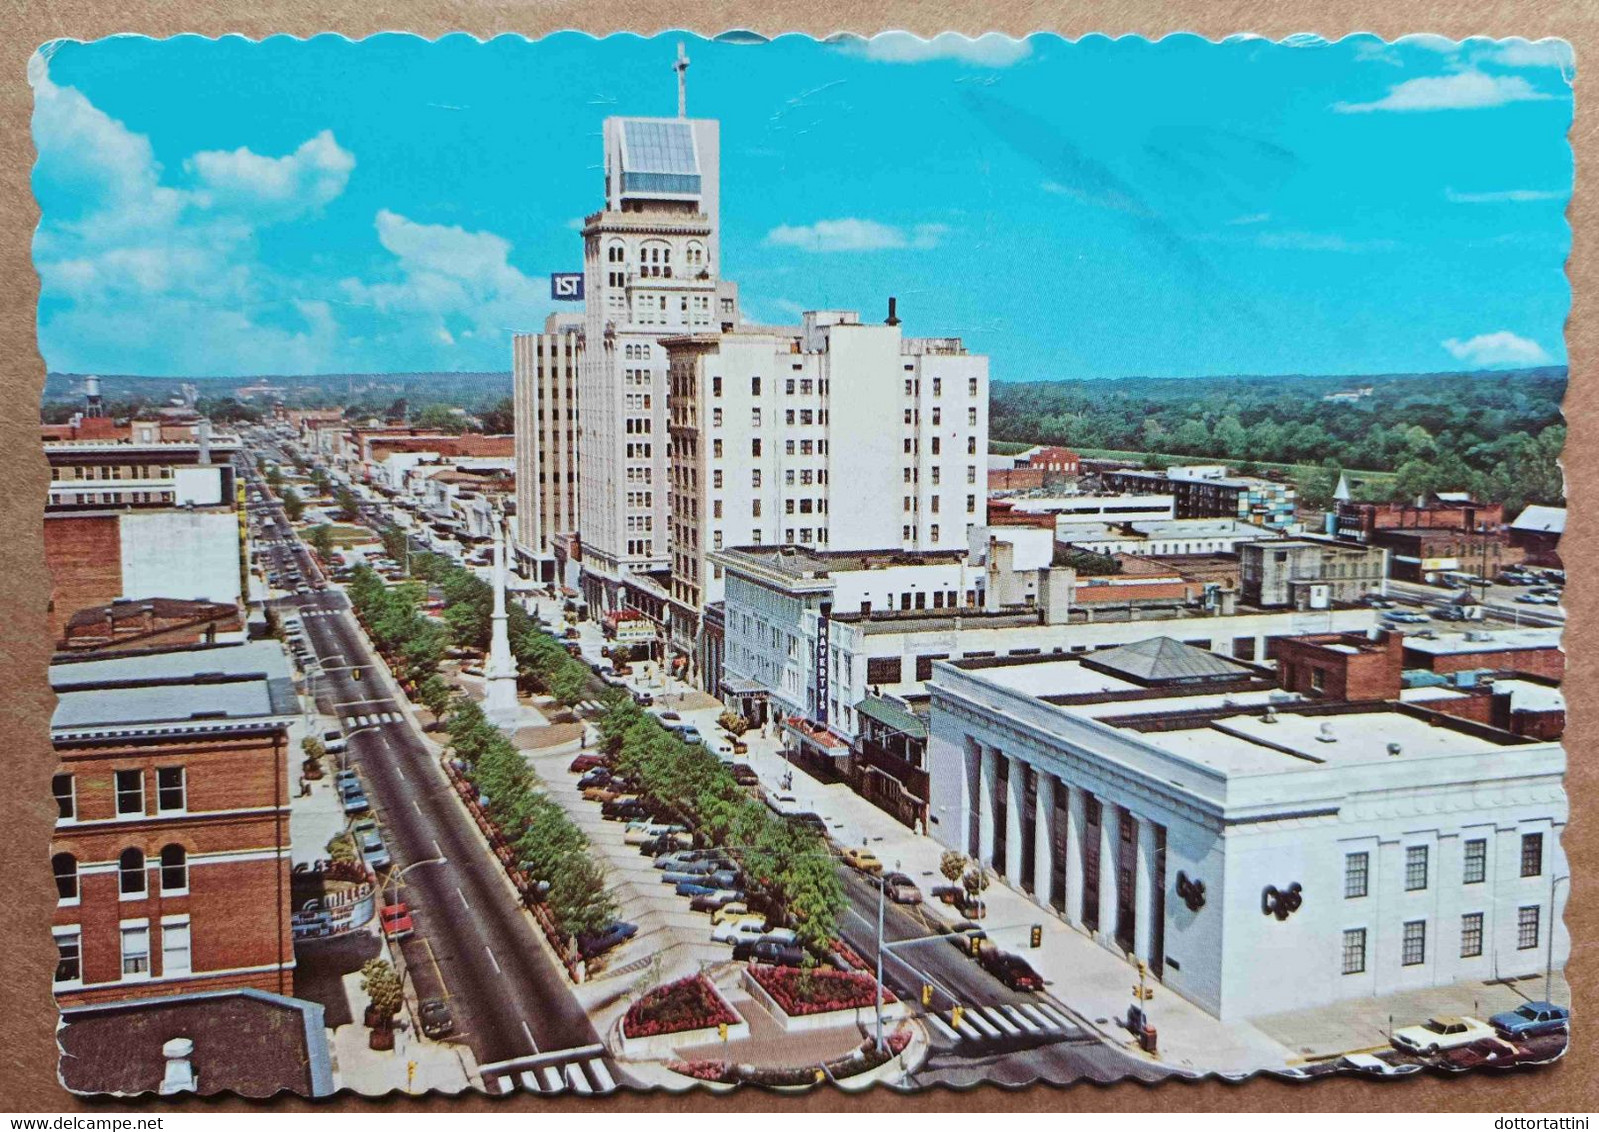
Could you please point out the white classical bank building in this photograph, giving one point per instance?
(1262, 853)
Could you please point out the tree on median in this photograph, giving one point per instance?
(578, 897)
(293, 505)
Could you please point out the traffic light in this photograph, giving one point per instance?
(955, 1016)
(1038, 935)
(721, 1030)
(355, 673)
(927, 994)
(976, 942)
(1143, 993)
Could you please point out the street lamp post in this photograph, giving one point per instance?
(1554, 922)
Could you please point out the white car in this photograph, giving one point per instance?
(641, 831)
(737, 928)
(1447, 1031)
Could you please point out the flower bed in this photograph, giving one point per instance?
(800, 992)
(820, 998)
(685, 1013)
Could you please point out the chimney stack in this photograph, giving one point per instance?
(180, 1075)
(202, 432)
(893, 318)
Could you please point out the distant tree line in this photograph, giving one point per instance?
(1496, 435)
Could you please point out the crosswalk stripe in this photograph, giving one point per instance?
(1021, 1019)
(980, 1022)
(938, 1024)
(998, 1018)
(552, 1079)
(575, 1078)
(529, 1082)
(602, 1076)
(503, 1084)
(1060, 1020)
(968, 1029)
(1037, 1015)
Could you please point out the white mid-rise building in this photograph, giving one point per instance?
(1262, 854)
(545, 375)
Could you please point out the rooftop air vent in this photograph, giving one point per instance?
(1271, 714)
(1395, 750)
(1325, 735)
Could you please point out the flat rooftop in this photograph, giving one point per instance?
(1496, 641)
(253, 658)
(804, 562)
(245, 699)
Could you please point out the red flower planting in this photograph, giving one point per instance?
(801, 992)
(688, 1004)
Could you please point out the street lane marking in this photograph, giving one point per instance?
(1037, 1015)
(529, 1082)
(981, 1023)
(493, 960)
(575, 1078)
(938, 1024)
(552, 1078)
(401, 773)
(602, 1076)
(967, 1028)
(1060, 1019)
(529, 1034)
(996, 1016)
(1020, 1019)
(462, 895)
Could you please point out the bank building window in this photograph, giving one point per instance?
(1415, 868)
(1476, 861)
(1413, 948)
(1354, 951)
(1357, 872)
(1471, 935)
(1527, 927)
(1531, 854)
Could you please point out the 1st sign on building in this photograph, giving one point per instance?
(566, 285)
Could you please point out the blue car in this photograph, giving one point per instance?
(694, 888)
(354, 800)
(1531, 1019)
(619, 932)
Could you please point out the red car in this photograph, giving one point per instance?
(585, 763)
(396, 919)
(1483, 1052)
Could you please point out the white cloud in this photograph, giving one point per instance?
(448, 277)
(990, 50)
(1501, 348)
(296, 183)
(851, 234)
(1540, 53)
(1519, 196)
(145, 275)
(1320, 242)
(1463, 90)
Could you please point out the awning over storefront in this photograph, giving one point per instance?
(815, 740)
(892, 716)
(739, 686)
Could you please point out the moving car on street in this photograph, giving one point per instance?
(901, 889)
(1012, 970)
(769, 949)
(863, 860)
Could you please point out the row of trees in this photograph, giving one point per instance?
(549, 847)
(787, 863)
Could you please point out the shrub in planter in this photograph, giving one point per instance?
(705, 1070)
(688, 1004)
(382, 986)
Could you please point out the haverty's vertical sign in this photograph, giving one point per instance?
(566, 286)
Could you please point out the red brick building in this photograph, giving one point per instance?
(1342, 666)
(1361, 521)
(1533, 652)
(171, 846)
(1055, 461)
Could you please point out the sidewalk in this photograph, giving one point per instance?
(415, 1064)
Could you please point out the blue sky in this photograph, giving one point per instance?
(1088, 209)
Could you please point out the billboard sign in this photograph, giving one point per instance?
(566, 286)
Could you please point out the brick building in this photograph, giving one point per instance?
(1342, 666)
(1309, 573)
(1421, 554)
(1361, 521)
(1534, 652)
(171, 844)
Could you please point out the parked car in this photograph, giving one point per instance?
(639, 832)
(666, 843)
(769, 949)
(1405, 617)
(948, 893)
(810, 821)
(624, 809)
(373, 849)
(336, 746)
(731, 910)
(396, 920)
(1381, 602)
(345, 779)
(1531, 1019)
(354, 800)
(1435, 1035)
(602, 941)
(750, 929)
(901, 889)
(1537, 599)
(599, 776)
(1375, 1066)
(1012, 970)
(696, 888)
(668, 716)
(1451, 613)
(435, 1016)
(643, 699)
(715, 900)
(584, 763)
(1479, 1054)
(744, 774)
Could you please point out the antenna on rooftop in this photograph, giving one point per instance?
(681, 67)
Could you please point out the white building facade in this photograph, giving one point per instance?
(1261, 855)
(545, 383)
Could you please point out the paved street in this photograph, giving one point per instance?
(473, 943)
